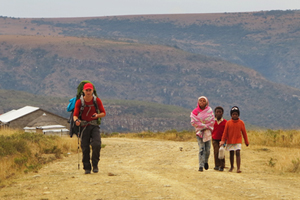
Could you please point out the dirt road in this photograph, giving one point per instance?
(151, 169)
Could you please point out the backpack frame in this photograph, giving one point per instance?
(73, 128)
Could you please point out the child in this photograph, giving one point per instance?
(232, 136)
(202, 118)
(217, 136)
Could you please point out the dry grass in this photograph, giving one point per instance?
(275, 138)
(9, 131)
(272, 138)
(279, 148)
(24, 152)
(277, 151)
(275, 159)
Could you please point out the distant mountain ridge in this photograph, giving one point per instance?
(54, 66)
(267, 41)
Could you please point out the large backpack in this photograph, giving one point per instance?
(73, 128)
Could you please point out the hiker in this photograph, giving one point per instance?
(233, 137)
(217, 136)
(89, 129)
(202, 118)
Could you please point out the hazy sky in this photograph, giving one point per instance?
(87, 8)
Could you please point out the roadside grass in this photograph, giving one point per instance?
(281, 149)
(277, 150)
(275, 138)
(271, 138)
(22, 152)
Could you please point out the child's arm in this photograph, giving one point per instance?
(210, 121)
(224, 136)
(245, 134)
(195, 122)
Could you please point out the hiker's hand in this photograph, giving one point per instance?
(94, 116)
(77, 122)
(221, 143)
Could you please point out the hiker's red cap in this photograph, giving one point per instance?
(88, 86)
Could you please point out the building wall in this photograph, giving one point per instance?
(23, 121)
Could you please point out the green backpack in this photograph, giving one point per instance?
(80, 96)
(71, 106)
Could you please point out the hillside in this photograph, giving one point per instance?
(267, 42)
(54, 66)
(122, 115)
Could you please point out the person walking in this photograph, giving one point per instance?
(202, 118)
(217, 136)
(89, 129)
(233, 132)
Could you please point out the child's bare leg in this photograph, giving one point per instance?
(231, 160)
(238, 161)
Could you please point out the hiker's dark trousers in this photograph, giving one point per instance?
(90, 136)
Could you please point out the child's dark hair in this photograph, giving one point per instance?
(219, 107)
(235, 109)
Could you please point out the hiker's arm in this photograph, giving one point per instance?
(101, 109)
(100, 115)
(76, 113)
(76, 120)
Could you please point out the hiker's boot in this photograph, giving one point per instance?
(200, 169)
(95, 169)
(87, 171)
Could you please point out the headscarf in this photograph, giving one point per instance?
(198, 109)
(203, 120)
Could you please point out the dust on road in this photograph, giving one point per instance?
(152, 169)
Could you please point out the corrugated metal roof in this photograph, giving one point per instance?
(15, 114)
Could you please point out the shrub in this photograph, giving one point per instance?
(16, 150)
(296, 165)
(20, 161)
(271, 162)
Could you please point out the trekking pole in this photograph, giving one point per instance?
(78, 148)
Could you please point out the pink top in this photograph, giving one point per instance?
(203, 121)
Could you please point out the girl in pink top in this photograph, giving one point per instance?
(202, 118)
